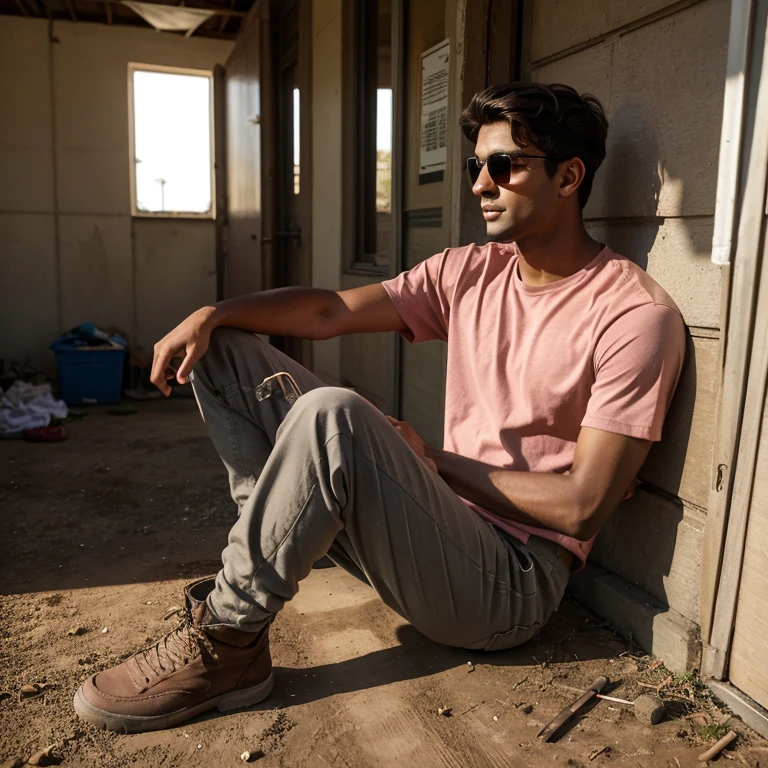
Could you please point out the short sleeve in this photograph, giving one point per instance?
(637, 360)
(421, 300)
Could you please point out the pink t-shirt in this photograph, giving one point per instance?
(529, 366)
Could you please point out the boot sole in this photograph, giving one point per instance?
(226, 702)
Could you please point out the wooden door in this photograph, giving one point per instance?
(749, 650)
(244, 242)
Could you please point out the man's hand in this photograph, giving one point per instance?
(307, 313)
(415, 443)
(188, 340)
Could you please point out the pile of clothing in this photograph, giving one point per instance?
(26, 410)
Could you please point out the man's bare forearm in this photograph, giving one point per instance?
(533, 498)
(304, 312)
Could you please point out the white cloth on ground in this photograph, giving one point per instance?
(27, 406)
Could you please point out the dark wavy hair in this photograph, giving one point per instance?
(553, 118)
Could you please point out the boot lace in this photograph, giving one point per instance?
(177, 648)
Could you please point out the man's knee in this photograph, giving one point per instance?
(326, 400)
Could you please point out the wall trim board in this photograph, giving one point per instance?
(625, 29)
(755, 716)
(643, 219)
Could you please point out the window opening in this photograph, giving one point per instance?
(171, 134)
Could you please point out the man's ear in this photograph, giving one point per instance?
(571, 175)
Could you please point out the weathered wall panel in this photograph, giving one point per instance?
(562, 24)
(663, 141)
(26, 157)
(661, 553)
(676, 253)
(667, 82)
(681, 463)
(89, 94)
(584, 71)
(28, 270)
(423, 365)
(423, 389)
(96, 271)
(660, 74)
(167, 290)
(367, 359)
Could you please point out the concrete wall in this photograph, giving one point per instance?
(69, 248)
(659, 71)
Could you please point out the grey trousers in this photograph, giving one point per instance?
(330, 475)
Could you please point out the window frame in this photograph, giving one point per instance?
(208, 215)
(356, 114)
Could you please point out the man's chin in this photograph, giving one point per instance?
(495, 234)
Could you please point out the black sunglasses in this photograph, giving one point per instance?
(502, 165)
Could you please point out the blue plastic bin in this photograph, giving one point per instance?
(90, 375)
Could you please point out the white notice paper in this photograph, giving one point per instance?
(434, 108)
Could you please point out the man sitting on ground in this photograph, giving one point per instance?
(562, 361)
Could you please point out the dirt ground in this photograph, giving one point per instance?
(100, 533)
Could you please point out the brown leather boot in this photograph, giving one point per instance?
(195, 667)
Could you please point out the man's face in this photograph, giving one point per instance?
(528, 204)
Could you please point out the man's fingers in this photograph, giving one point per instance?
(187, 365)
(159, 366)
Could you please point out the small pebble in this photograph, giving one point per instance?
(495, 719)
(470, 666)
(444, 711)
(199, 746)
(246, 756)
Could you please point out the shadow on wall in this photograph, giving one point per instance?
(630, 188)
(635, 185)
(640, 542)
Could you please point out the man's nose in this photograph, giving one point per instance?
(485, 185)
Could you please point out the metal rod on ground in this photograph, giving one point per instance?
(549, 730)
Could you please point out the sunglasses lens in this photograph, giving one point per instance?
(473, 169)
(499, 168)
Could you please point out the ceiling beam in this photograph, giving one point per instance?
(22, 7)
(71, 8)
(224, 19)
(211, 9)
(108, 11)
(35, 7)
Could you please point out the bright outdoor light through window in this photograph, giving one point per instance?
(384, 150)
(172, 143)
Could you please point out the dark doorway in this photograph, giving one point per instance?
(291, 240)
